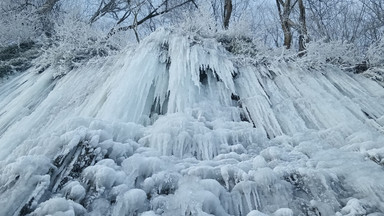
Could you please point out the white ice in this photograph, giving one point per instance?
(157, 130)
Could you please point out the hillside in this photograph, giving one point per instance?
(180, 126)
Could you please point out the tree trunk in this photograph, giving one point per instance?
(287, 35)
(227, 13)
(284, 19)
(303, 37)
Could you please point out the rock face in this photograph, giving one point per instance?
(177, 126)
(17, 58)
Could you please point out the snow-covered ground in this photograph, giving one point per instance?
(177, 127)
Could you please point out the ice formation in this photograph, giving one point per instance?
(177, 127)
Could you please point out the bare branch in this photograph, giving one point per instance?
(47, 7)
(152, 14)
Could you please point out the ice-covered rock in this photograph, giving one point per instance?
(177, 126)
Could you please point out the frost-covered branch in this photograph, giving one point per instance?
(154, 13)
(47, 6)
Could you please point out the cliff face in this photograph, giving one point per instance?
(17, 58)
(179, 126)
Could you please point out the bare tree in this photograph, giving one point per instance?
(377, 8)
(134, 12)
(319, 14)
(285, 10)
(112, 7)
(163, 7)
(352, 21)
(374, 19)
(41, 7)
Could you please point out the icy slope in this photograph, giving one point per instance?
(175, 127)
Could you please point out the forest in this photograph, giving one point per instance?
(73, 31)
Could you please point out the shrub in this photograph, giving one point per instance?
(375, 53)
(74, 42)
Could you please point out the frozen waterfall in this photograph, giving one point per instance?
(176, 126)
